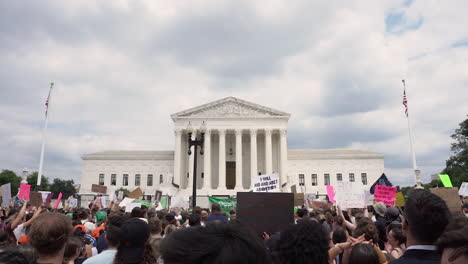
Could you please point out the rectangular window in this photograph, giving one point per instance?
(113, 179)
(137, 179)
(161, 180)
(125, 180)
(351, 177)
(101, 179)
(301, 179)
(364, 178)
(314, 179)
(149, 180)
(339, 177)
(326, 178)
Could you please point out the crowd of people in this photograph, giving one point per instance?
(424, 231)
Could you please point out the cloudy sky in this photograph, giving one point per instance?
(122, 67)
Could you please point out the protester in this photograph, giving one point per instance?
(155, 238)
(134, 247)
(395, 238)
(453, 247)
(381, 223)
(216, 215)
(74, 251)
(12, 257)
(364, 253)
(426, 216)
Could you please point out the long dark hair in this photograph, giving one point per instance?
(148, 256)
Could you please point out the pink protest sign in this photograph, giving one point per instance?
(58, 201)
(25, 190)
(331, 193)
(385, 194)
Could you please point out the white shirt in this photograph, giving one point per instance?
(19, 231)
(422, 247)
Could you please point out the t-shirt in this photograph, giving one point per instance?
(106, 257)
(217, 217)
(19, 231)
(102, 243)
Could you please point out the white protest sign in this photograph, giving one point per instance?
(266, 183)
(463, 191)
(179, 201)
(6, 195)
(130, 206)
(120, 195)
(126, 201)
(44, 195)
(73, 202)
(350, 195)
(104, 201)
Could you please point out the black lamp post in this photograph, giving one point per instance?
(197, 142)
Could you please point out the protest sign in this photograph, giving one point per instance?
(226, 204)
(266, 183)
(73, 202)
(104, 201)
(294, 189)
(265, 212)
(99, 188)
(130, 206)
(350, 195)
(180, 201)
(331, 193)
(35, 199)
(463, 189)
(450, 196)
(44, 195)
(382, 180)
(120, 195)
(48, 200)
(24, 191)
(135, 194)
(58, 201)
(298, 199)
(385, 194)
(149, 205)
(126, 201)
(6, 194)
(446, 180)
(399, 199)
(163, 204)
(158, 196)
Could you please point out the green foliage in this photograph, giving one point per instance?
(8, 176)
(125, 191)
(32, 180)
(433, 184)
(66, 187)
(457, 164)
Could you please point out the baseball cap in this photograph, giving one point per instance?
(101, 215)
(134, 234)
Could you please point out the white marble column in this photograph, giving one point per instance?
(207, 161)
(191, 162)
(222, 159)
(177, 156)
(268, 152)
(253, 156)
(283, 156)
(239, 159)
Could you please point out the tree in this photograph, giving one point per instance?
(457, 164)
(32, 180)
(66, 187)
(8, 176)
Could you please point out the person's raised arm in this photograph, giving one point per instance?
(20, 216)
(36, 215)
(348, 224)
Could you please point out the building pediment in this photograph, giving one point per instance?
(230, 107)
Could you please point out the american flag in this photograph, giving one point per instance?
(405, 100)
(48, 98)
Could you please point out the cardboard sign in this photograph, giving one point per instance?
(298, 199)
(6, 195)
(135, 194)
(331, 193)
(294, 189)
(130, 206)
(265, 212)
(126, 201)
(99, 188)
(158, 196)
(57, 202)
(463, 189)
(450, 196)
(266, 183)
(317, 204)
(25, 190)
(446, 180)
(350, 195)
(35, 199)
(399, 199)
(385, 194)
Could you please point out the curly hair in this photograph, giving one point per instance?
(367, 228)
(303, 243)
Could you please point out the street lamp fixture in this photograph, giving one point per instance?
(195, 143)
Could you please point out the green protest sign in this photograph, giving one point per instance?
(163, 203)
(225, 203)
(149, 205)
(445, 180)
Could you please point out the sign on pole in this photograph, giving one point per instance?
(266, 183)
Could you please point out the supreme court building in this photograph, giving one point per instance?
(242, 140)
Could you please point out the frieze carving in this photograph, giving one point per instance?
(230, 109)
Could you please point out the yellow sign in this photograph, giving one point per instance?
(399, 199)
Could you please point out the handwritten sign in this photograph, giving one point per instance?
(385, 194)
(126, 201)
(266, 183)
(331, 193)
(350, 195)
(57, 202)
(463, 189)
(446, 180)
(35, 199)
(399, 199)
(6, 195)
(135, 194)
(130, 206)
(25, 190)
(99, 188)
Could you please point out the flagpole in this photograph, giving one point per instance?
(417, 172)
(41, 159)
